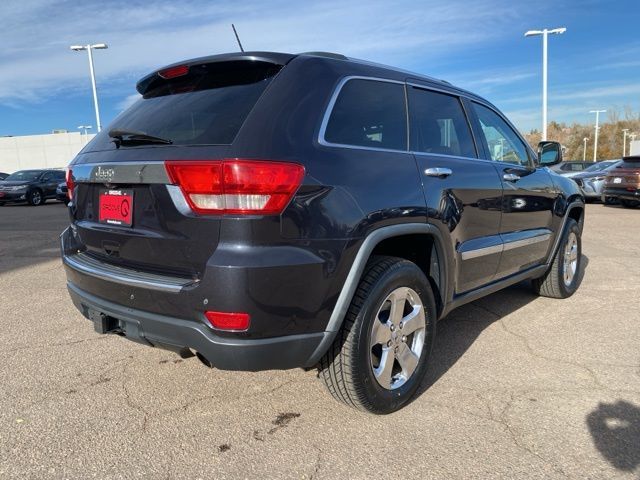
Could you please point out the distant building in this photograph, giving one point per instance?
(54, 150)
(635, 148)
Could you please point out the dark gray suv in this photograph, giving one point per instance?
(269, 211)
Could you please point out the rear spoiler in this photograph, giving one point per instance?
(264, 57)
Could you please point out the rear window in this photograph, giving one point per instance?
(369, 113)
(205, 107)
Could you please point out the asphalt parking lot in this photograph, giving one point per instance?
(519, 386)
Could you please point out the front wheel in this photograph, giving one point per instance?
(564, 276)
(381, 354)
(35, 198)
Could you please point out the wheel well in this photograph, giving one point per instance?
(420, 249)
(577, 213)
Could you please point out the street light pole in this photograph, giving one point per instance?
(545, 33)
(89, 48)
(624, 142)
(595, 140)
(584, 149)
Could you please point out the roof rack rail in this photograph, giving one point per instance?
(336, 56)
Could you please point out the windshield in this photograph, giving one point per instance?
(207, 106)
(23, 176)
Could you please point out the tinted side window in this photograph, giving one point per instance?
(438, 124)
(369, 113)
(504, 144)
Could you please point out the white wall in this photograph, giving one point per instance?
(40, 151)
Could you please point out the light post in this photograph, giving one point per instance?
(84, 129)
(595, 140)
(624, 142)
(89, 48)
(584, 149)
(545, 33)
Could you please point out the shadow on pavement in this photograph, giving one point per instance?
(459, 330)
(615, 429)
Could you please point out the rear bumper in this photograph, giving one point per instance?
(622, 193)
(179, 335)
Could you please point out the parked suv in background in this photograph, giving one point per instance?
(32, 186)
(271, 211)
(623, 182)
(571, 168)
(591, 180)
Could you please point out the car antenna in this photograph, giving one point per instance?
(237, 37)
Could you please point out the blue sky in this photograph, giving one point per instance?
(476, 45)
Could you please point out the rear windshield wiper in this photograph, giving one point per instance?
(132, 137)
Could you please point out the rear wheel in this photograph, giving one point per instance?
(563, 277)
(608, 200)
(35, 198)
(629, 203)
(380, 355)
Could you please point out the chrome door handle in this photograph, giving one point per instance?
(438, 172)
(511, 177)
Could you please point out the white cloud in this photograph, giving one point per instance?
(36, 62)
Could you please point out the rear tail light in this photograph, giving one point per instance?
(232, 322)
(236, 186)
(70, 183)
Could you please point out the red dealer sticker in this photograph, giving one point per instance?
(116, 207)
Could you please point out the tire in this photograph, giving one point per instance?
(608, 200)
(568, 259)
(35, 198)
(629, 203)
(353, 368)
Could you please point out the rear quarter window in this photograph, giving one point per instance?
(369, 113)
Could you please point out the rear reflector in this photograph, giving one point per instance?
(246, 187)
(174, 72)
(233, 322)
(70, 183)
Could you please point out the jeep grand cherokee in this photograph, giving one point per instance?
(271, 211)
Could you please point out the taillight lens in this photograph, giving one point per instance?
(173, 72)
(236, 186)
(232, 322)
(70, 183)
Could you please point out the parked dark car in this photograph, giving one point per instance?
(62, 192)
(623, 182)
(571, 168)
(3, 175)
(591, 180)
(271, 211)
(32, 186)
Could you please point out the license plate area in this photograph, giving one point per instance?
(617, 180)
(116, 207)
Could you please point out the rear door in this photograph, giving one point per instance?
(529, 194)
(463, 193)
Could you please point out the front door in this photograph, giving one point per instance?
(528, 193)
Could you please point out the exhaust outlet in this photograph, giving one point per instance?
(204, 360)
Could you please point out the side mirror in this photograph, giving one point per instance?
(549, 153)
